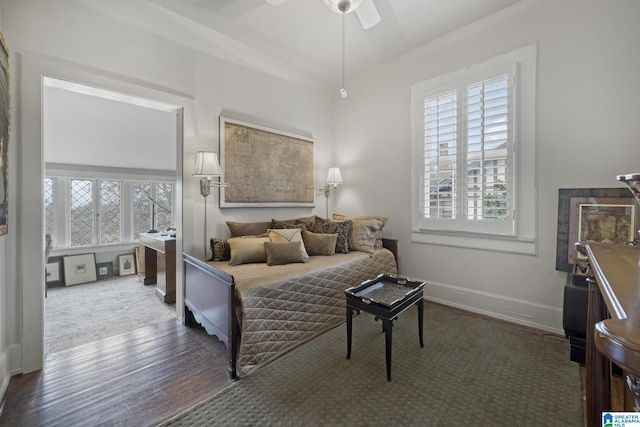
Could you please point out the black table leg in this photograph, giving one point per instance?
(420, 320)
(349, 327)
(387, 326)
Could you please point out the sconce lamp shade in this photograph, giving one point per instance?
(334, 178)
(207, 164)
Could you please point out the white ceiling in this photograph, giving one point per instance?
(308, 35)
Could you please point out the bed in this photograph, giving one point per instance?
(262, 311)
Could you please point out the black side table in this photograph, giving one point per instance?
(385, 297)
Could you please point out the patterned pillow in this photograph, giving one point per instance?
(378, 233)
(341, 228)
(284, 253)
(364, 234)
(220, 250)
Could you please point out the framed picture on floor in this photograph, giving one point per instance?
(54, 271)
(104, 270)
(126, 265)
(79, 269)
(140, 259)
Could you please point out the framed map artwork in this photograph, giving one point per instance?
(265, 167)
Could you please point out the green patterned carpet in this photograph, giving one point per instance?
(473, 371)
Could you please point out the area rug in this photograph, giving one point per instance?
(473, 371)
(79, 314)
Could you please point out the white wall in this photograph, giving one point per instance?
(588, 132)
(167, 61)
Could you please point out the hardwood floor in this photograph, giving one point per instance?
(141, 378)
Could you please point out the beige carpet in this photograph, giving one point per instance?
(473, 371)
(78, 314)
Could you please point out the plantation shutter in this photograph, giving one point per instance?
(440, 156)
(488, 161)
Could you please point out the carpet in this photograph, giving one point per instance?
(79, 314)
(473, 371)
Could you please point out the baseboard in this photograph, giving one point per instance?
(5, 376)
(513, 310)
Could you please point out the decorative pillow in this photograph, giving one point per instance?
(341, 228)
(247, 249)
(319, 244)
(279, 225)
(382, 218)
(220, 250)
(289, 235)
(293, 223)
(364, 234)
(284, 253)
(248, 228)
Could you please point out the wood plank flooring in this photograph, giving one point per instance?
(141, 378)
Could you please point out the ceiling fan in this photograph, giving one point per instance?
(365, 9)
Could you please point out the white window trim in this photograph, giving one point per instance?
(523, 240)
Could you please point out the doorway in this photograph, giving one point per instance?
(106, 155)
(30, 175)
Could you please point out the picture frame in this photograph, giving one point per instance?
(79, 269)
(265, 167)
(569, 201)
(606, 223)
(104, 270)
(126, 265)
(5, 123)
(54, 271)
(140, 259)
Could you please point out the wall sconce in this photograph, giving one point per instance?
(333, 180)
(207, 167)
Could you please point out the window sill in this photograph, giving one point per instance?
(111, 247)
(518, 245)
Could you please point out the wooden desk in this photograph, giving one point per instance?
(613, 324)
(160, 264)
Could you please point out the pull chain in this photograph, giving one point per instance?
(343, 91)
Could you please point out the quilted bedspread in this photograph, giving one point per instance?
(283, 306)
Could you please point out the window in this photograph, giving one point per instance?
(143, 195)
(473, 140)
(104, 211)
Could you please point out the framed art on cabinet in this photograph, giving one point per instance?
(126, 265)
(265, 167)
(79, 269)
(606, 223)
(610, 212)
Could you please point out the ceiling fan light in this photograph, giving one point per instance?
(343, 6)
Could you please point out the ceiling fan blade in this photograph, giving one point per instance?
(368, 14)
(275, 2)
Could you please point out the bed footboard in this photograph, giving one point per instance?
(209, 299)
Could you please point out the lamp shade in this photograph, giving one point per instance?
(334, 177)
(207, 164)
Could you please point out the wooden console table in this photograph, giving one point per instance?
(613, 324)
(160, 264)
